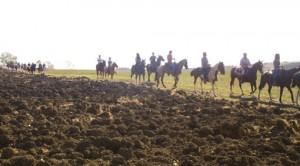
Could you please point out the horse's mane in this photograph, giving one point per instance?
(258, 62)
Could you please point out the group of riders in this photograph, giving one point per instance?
(100, 60)
(30, 67)
(244, 63)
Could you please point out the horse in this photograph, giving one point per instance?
(151, 68)
(138, 71)
(32, 68)
(40, 68)
(250, 76)
(212, 75)
(110, 71)
(12, 65)
(161, 70)
(100, 69)
(296, 82)
(284, 80)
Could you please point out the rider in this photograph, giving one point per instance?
(276, 64)
(109, 62)
(138, 59)
(170, 61)
(205, 66)
(152, 58)
(99, 59)
(245, 63)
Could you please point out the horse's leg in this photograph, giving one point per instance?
(255, 87)
(201, 85)
(213, 89)
(270, 91)
(251, 85)
(281, 91)
(157, 79)
(240, 84)
(195, 81)
(175, 82)
(292, 95)
(231, 84)
(162, 80)
(149, 74)
(136, 77)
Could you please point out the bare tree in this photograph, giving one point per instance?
(7, 57)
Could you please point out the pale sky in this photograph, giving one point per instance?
(76, 31)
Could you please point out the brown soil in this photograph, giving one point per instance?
(62, 121)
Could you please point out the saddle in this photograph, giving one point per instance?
(238, 70)
(171, 68)
(276, 74)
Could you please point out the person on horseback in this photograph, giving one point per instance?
(205, 66)
(276, 70)
(170, 64)
(152, 59)
(99, 59)
(245, 63)
(138, 59)
(109, 62)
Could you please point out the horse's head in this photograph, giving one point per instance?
(143, 62)
(160, 58)
(184, 63)
(221, 68)
(259, 66)
(115, 65)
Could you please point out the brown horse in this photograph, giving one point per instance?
(100, 69)
(250, 76)
(111, 70)
(212, 75)
(138, 71)
(162, 70)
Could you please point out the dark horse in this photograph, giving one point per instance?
(162, 70)
(12, 65)
(250, 76)
(151, 68)
(100, 68)
(32, 68)
(212, 75)
(284, 80)
(41, 68)
(111, 70)
(138, 71)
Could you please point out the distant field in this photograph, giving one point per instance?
(185, 82)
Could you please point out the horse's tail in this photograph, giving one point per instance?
(293, 83)
(194, 72)
(264, 79)
(296, 80)
(232, 76)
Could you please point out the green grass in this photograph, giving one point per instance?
(185, 82)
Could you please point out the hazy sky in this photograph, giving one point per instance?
(76, 31)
